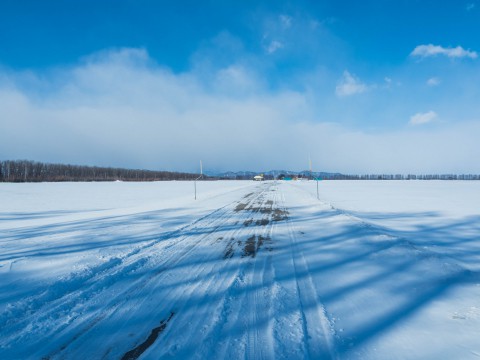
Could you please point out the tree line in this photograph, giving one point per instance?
(32, 171)
(401, 177)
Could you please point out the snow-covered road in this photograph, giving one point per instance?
(251, 270)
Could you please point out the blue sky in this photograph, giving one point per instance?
(359, 86)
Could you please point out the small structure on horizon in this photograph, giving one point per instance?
(258, 177)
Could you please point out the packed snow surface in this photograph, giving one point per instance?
(370, 270)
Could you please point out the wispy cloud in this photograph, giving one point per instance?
(286, 21)
(424, 51)
(433, 81)
(349, 85)
(274, 46)
(423, 118)
(470, 6)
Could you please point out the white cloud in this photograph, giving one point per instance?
(235, 80)
(274, 46)
(423, 118)
(120, 108)
(286, 21)
(349, 85)
(433, 81)
(423, 51)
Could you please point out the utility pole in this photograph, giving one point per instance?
(310, 164)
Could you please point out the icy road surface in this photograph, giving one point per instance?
(374, 270)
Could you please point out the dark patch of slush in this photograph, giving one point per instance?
(140, 349)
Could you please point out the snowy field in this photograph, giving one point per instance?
(372, 270)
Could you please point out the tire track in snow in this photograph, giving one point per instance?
(78, 281)
(222, 275)
(260, 336)
(115, 304)
(317, 329)
(57, 303)
(237, 330)
(234, 303)
(217, 222)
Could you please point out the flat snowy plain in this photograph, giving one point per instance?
(372, 270)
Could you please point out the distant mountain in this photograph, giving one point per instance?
(231, 174)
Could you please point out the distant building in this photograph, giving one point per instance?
(258, 177)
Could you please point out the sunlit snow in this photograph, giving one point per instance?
(257, 270)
